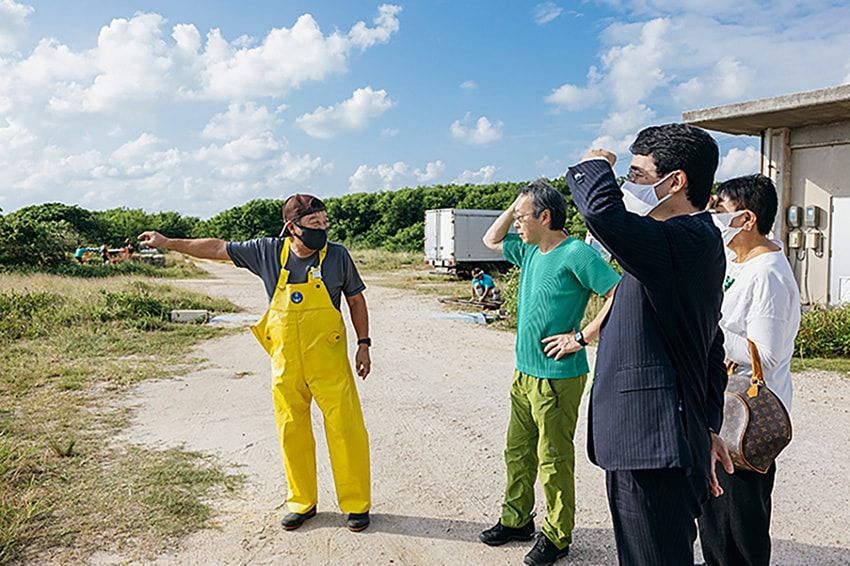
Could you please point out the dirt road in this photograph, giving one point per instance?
(436, 406)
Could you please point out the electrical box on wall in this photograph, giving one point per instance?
(813, 240)
(794, 216)
(795, 239)
(812, 217)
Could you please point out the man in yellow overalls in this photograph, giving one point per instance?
(304, 333)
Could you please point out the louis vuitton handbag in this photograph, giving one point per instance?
(756, 426)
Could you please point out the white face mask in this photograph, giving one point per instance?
(642, 199)
(723, 221)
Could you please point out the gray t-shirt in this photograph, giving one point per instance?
(262, 257)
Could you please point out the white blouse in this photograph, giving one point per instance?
(762, 303)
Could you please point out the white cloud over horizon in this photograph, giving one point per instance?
(479, 132)
(86, 125)
(391, 176)
(349, 115)
(669, 57)
(738, 162)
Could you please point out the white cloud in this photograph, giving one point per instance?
(347, 116)
(386, 24)
(545, 12)
(483, 131)
(432, 170)
(117, 124)
(388, 133)
(238, 120)
(384, 177)
(572, 97)
(131, 62)
(389, 176)
(663, 57)
(13, 23)
(480, 177)
(738, 162)
(549, 166)
(134, 60)
(299, 168)
(469, 85)
(15, 135)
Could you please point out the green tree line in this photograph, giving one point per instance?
(42, 235)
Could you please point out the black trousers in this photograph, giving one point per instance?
(735, 527)
(654, 514)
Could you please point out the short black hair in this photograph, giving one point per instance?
(755, 193)
(682, 146)
(546, 197)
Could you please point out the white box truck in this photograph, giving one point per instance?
(453, 239)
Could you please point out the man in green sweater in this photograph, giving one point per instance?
(557, 275)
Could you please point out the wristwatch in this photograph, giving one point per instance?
(579, 337)
(365, 342)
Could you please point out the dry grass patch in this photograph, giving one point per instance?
(69, 348)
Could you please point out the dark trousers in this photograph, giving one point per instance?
(654, 514)
(735, 527)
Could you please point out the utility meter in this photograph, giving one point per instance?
(812, 219)
(795, 239)
(794, 216)
(813, 240)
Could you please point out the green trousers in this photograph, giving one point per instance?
(540, 437)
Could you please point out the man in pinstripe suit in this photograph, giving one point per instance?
(657, 396)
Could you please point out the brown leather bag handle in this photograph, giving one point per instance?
(758, 372)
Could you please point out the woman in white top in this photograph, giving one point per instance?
(761, 303)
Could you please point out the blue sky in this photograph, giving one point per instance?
(199, 106)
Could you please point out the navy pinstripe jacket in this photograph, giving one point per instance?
(659, 377)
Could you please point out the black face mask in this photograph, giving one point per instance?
(313, 238)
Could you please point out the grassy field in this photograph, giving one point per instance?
(69, 349)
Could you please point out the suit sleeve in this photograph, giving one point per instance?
(640, 244)
(716, 383)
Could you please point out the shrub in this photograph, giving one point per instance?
(28, 242)
(510, 294)
(824, 333)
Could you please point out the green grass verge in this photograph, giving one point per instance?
(69, 348)
(177, 266)
(837, 365)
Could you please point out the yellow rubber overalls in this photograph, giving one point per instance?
(304, 333)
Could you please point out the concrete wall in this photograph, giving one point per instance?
(809, 165)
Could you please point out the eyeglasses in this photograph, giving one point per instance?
(521, 217)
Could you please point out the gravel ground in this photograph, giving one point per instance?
(436, 406)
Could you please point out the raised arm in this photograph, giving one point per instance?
(499, 229)
(640, 244)
(202, 248)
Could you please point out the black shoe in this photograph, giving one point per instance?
(500, 534)
(292, 521)
(544, 552)
(358, 522)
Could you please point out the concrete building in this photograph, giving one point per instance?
(805, 150)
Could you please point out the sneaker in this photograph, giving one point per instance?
(500, 534)
(358, 521)
(544, 552)
(292, 521)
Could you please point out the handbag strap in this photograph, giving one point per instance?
(758, 372)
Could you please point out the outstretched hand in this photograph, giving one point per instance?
(719, 453)
(153, 239)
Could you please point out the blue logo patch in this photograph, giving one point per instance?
(297, 297)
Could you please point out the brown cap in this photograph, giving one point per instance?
(298, 206)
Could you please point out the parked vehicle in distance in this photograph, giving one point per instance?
(453, 240)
